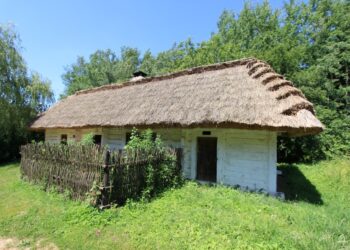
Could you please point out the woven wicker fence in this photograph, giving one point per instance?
(115, 175)
(127, 173)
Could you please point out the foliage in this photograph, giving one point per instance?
(159, 175)
(22, 95)
(193, 216)
(103, 67)
(88, 139)
(309, 43)
(94, 194)
(324, 77)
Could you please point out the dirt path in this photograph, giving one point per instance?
(15, 244)
(8, 243)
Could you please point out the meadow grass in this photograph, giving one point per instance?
(316, 215)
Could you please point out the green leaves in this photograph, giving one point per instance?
(22, 95)
(161, 174)
(103, 67)
(39, 93)
(88, 139)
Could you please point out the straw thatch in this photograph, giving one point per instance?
(244, 93)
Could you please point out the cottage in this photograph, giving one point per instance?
(225, 116)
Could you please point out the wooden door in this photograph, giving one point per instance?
(206, 158)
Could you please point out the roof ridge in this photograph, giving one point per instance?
(190, 71)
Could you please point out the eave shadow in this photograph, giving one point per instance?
(296, 186)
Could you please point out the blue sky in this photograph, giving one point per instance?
(54, 33)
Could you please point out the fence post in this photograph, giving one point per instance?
(105, 184)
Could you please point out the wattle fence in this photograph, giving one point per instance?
(104, 176)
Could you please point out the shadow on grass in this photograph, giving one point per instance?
(7, 164)
(296, 186)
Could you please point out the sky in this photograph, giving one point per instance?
(55, 33)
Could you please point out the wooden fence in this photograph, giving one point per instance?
(115, 175)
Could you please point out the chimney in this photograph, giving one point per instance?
(138, 75)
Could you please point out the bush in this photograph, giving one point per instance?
(87, 139)
(159, 175)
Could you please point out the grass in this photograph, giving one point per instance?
(316, 215)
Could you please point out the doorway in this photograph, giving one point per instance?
(206, 158)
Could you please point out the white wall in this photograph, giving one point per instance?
(245, 157)
(54, 135)
(114, 138)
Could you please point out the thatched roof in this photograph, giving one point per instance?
(244, 93)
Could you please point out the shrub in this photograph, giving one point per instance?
(159, 175)
(88, 139)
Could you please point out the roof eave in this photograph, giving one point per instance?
(290, 131)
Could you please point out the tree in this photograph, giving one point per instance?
(99, 70)
(22, 95)
(325, 76)
(147, 64)
(103, 67)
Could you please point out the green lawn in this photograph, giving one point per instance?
(317, 215)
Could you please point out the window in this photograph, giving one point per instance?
(97, 139)
(206, 133)
(64, 139)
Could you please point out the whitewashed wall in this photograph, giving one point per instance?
(54, 135)
(245, 157)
